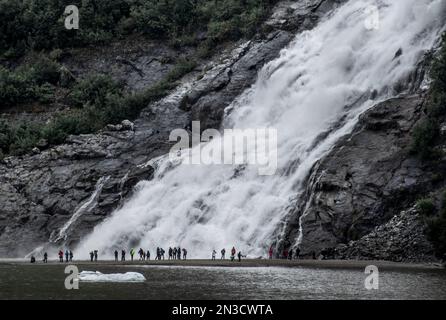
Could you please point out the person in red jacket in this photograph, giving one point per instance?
(60, 256)
(285, 254)
(233, 252)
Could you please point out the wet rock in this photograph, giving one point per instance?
(401, 239)
(39, 193)
(367, 179)
(127, 125)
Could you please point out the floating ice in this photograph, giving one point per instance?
(96, 276)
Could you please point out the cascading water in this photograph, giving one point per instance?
(320, 84)
(86, 206)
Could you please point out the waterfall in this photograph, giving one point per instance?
(313, 94)
(87, 206)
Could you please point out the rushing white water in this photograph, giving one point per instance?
(85, 207)
(326, 75)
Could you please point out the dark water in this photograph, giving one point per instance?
(47, 282)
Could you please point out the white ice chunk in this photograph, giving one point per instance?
(92, 276)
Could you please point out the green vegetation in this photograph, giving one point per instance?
(426, 207)
(39, 24)
(34, 29)
(427, 134)
(98, 101)
(30, 82)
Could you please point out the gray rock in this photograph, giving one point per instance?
(127, 125)
(368, 178)
(39, 193)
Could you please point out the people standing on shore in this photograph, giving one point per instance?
(179, 253)
(71, 256)
(66, 255)
(174, 253)
(91, 256)
(290, 254)
(132, 253)
(270, 253)
(213, 254)
(223, 253)
(162, 253)
(239, 256)
(96, 255)
(141, 253)
(184, 254)
(285, 254)
(297, 253)
(170, 253)
(45, 257)
(148, 255)
(233, 252)
(60, 256)
(123, 255)
(116, 255)
(158, 254)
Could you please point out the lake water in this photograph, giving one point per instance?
(23, 281)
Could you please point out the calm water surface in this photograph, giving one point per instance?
(47, 282)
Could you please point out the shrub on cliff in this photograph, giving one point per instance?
(22, 86)
(426, 134)
(94, 91)
(30, 82)
(426, 207)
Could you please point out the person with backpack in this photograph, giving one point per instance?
(184, 254)
(223, 253)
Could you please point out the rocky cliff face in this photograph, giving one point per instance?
(360, 196)
(59, 195)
